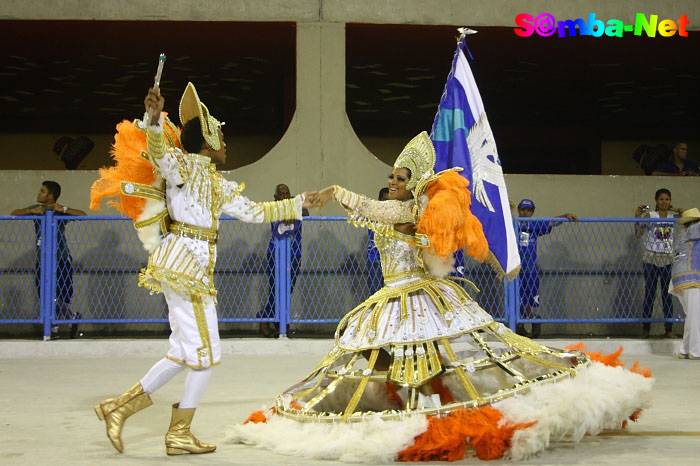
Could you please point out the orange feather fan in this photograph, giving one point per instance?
(129, 142)
(447, 220)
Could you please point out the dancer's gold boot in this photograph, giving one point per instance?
(179, 440)
(115, 411)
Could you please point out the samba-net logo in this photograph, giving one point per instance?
(546, 25)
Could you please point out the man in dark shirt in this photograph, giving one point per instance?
(679, 165)
(46, 199)
(280, 230)
(529, 272)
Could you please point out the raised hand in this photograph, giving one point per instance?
(310, 199)
(324, 196)
(640, 210)
(156, 102)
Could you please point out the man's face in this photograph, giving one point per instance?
(219, 157)
(42, 196)
(681, 151)
(526, 212)
(282, 192)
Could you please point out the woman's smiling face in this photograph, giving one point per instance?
(397, 184)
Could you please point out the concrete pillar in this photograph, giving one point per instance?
(320, 147)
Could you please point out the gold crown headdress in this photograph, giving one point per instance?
(192, 107)
(419, 157)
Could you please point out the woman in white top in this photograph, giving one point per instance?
(657, 258)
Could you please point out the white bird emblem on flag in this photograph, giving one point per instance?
(484, 160)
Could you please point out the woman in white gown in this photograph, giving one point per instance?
(422, 357)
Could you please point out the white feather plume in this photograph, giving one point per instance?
(436, 265)
(599, 397)
(372, 441)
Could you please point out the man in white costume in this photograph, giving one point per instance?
(182, 265)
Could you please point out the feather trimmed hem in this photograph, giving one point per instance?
(599, 397)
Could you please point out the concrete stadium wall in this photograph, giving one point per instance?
(320, 147)
(586, 196)
(468, 12)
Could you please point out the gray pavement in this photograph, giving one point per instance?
(49, 390)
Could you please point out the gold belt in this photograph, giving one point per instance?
(395, 278)
(194, 232)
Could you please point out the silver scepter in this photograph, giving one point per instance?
(156, 83)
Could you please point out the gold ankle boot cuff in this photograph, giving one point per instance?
(179, 440)
(115, 411)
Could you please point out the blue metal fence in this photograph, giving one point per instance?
(60, 270)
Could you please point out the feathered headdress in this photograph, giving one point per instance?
(442, 204)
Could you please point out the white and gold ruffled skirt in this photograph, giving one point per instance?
(419, 330)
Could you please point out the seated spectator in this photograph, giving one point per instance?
(678, 165)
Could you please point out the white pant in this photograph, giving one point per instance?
(194, 337)
(690, 299)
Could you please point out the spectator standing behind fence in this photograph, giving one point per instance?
(47, 200)
(279, 231)
(529, 272)
(375, 278)
(678, 165)
(685, 279)
(657, 257)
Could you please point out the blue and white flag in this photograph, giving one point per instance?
(463, 138)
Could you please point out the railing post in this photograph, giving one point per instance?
(513, 287)
(277, 242)
(53, 264)
(285, 295)
(511, 301)
(43, 307)
(282, 267)
(48, 274)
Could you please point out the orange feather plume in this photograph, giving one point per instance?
(612, 359)
(129, 142)
(447, 220)
(448, 437)
(256, 417)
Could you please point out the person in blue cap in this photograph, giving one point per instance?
(527, 248)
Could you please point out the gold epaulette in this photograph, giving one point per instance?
(146, 191)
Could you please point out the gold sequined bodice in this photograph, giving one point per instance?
(397, 253)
